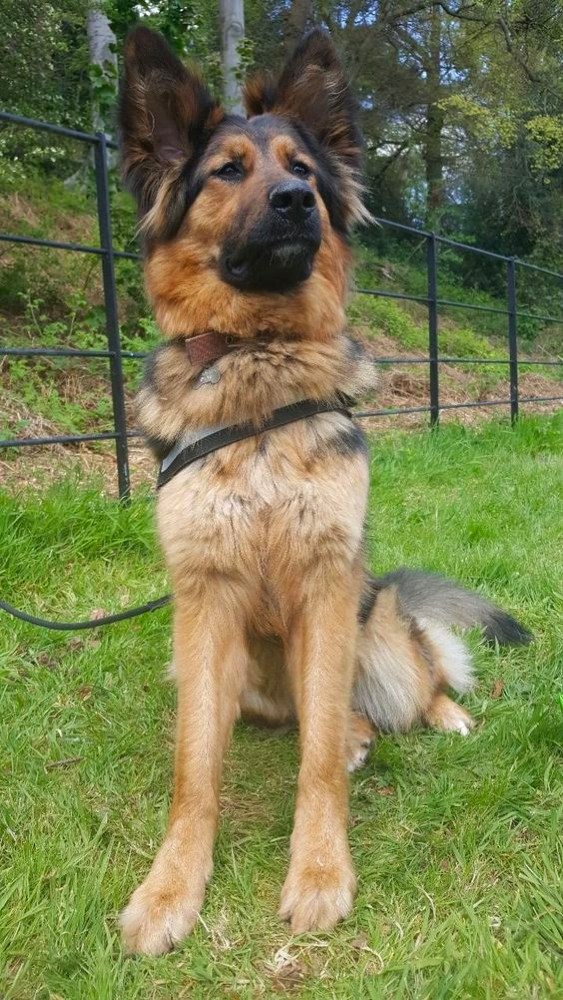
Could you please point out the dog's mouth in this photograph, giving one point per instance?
(273, 267)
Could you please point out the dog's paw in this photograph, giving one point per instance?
(159, 915)
(448, 716)
(317, 897)
(360, 736)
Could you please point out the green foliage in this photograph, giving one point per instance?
(44, 59)
(191, 27)
(547, 133)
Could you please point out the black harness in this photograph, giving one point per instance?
(237, 432)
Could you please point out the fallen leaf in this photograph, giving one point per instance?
(497, 688)
(46, 660)
(360, 943)
(84, 692)
(286, 971)
(97, 613)
(385, 790)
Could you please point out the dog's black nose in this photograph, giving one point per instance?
(292, 199)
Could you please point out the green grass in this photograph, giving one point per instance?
(457, 842)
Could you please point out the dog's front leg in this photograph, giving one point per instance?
(211, 660)
(320, 884)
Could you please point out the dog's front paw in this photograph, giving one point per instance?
(316, 897)
(160, 913)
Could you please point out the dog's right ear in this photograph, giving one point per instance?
(166, 114)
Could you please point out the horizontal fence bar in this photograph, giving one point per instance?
(446, 360)
(455, 406)
(58, 439)
(39, 241)
(495, 361)
(72, 352)
(540, 399)
(65, 352)
(64, 439)
(380, 293)
(536, 267)
(52, 352)
(384, 294)
(544, 319)
(401, 226)
(392, 412)
(70, 133)
(467, 246)
(472, 305)
(127, 255)
(441, 239)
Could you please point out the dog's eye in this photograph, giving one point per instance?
(300, 168)
(229, 172)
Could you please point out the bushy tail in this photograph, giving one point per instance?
(407, 655)
(434, 598)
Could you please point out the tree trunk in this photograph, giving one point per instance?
(433, 155)
(296, 21)
(231, 13)
(103, 59)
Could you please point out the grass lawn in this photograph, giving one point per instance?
(457, 842)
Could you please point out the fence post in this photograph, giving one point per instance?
(512, 337)
(432, 266)
(112, 319)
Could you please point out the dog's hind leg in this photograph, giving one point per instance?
(361, 735)
(447, 715)
(211, 661)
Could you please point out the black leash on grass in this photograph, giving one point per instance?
(204, 446)
(93, 622)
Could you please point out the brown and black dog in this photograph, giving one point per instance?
(245, 225)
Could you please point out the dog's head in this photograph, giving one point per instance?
(245, 221)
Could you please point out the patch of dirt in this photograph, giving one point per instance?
(407, 385)
(40, 466)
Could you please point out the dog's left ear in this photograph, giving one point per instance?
(312, 89)
(166, 114)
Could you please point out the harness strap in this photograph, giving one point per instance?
(237, 432)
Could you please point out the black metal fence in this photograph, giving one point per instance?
(114, 353)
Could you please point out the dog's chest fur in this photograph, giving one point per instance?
(265, 511)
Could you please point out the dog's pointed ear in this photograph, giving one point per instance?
(165, 115)
(312, 88)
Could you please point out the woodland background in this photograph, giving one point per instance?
(461, 102)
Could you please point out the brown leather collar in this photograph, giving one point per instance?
(208, 347)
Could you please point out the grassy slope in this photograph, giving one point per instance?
(457, 842)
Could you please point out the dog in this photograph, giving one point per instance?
(245, 225)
